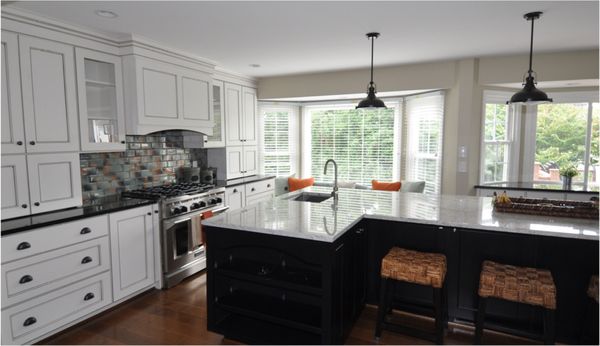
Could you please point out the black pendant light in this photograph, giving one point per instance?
(530, 94)
(371, 101)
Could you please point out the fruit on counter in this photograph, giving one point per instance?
(503, 198)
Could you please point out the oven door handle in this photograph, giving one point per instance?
(220, 210)
(182, 220)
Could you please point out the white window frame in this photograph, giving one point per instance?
(293, 133)
(513, 135)
(529, 144)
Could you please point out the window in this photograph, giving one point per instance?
(278, 145)
(362, 142)
(498, 139)
(424, 126)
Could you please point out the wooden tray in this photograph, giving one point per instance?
(549, 207)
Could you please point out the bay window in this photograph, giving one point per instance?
(278, 146)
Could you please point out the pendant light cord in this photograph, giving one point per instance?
(531, 48)
(372, 49)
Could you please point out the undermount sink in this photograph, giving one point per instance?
(312, 197)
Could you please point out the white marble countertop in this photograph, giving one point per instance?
(326, 221)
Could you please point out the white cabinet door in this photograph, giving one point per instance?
(160, 98)
(235, 161)
(261, 197)
(101, 109)
(217, 140)
(250, 121)
(250, 158)
(54, 181)
(132, 250)
(13, 137)
(196, 96)
(233, 114)
(49, 95)
(15, 191)
(235, 197)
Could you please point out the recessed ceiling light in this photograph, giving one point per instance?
(106, 14)
(254, 65)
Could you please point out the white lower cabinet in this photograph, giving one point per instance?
(35, 317)
(132, 248)
(240, 196)
(235, 197)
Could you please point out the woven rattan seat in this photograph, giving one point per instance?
(422, 268)
(518, 284)
(592, 290)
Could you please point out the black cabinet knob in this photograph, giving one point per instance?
(268, 185)
(86, 259)
(29, 321)
(122, 142)
(32, 142)
(156, 212)
(206, 141)
(25, 279)
(85, 230)
(234, 190)
(149, 213)
(19, 142)
(24, 245)
(252, 189)
(89, 296)
(24, 206)
(37, 204)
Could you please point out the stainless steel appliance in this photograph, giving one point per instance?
(181, 208)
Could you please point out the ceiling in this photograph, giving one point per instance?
(287, 37)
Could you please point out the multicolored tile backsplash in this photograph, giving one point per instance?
(148, 161)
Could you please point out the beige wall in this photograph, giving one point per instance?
(464, 81)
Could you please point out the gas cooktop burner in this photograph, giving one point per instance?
(180, 189)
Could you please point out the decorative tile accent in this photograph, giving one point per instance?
(150, 160)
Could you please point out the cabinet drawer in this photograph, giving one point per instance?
(36, 275)
(260, 187)
(40, 240)
(36, 317)
(261, 197)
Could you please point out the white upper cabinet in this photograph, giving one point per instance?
(217, 140)
(160, 96)
(15, 192)
(235, 161)
(250, 121)
(13, 137)
(54, 181)
(49, 95)
(233, 114)
(101, 109)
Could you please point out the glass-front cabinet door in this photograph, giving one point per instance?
(100, 92)
(217, 140)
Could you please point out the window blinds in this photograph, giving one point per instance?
(424, 117)
(360, 141)
(276, 154)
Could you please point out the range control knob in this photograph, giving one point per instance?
(212, 201)
(195, 206)
(183, 208)
(202, 204)
(219, 200)
(176, 211)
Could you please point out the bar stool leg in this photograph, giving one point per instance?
(479, 321)
(439, 319)
(381, 311)
(549, 327)
(445, 304)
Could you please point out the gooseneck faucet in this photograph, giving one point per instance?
(334, 193)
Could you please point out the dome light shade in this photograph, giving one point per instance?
(530, 94)
(371, 101)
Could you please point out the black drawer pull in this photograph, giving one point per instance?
(234, 190)
(122, 142)
(149, 214)
(37, 204)
(89, 296)
(24, 206)
(24, 245)
(268, 185)
(29, 321)
(32, 142)
(25, 279)
(85, 230)
(19, 142)
(252, 190)
(86, 259)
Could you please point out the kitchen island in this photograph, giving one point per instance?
(289, 271)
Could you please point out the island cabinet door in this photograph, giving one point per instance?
(477, 246)
(132, 250)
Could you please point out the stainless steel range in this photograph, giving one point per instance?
(182, 206)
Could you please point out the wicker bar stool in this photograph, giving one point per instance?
(422, 268)
(518, 284)
(589, 324)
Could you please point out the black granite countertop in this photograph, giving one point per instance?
(97, 207)
(244, 180)
(530, 186)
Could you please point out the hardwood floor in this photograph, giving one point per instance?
(178, 316)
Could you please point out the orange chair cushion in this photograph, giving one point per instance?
(386, 186)
(297, 184)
